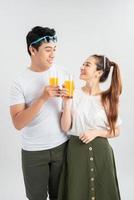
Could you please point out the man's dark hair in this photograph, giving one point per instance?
(36, 33)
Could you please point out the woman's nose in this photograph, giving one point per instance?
(82, 67)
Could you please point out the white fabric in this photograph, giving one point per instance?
(43, 132)
(88, 113)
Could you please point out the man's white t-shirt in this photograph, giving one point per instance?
(44, 131)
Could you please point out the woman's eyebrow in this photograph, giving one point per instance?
(87, 62)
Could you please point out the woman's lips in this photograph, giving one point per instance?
(82, 73)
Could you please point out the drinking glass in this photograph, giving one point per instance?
(53, 79)
(69, 85)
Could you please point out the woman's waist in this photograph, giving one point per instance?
(97, 143)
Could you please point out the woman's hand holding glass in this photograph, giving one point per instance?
(64, 94)
(67, 91)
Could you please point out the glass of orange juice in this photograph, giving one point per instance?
(69, 85)
(53, 79)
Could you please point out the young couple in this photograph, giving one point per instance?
(65, 151)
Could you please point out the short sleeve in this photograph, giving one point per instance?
(16, 94)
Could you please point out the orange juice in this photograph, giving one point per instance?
(53, 81)
(69, 85)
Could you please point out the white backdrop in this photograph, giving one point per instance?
(83, 27)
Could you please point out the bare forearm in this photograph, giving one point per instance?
(66, 118)
(107, 134)
(90, 135)
(24, 117)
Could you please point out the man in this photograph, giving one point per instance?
(35, 110)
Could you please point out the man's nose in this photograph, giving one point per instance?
(52, 54)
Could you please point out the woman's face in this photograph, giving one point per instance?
(88, 70)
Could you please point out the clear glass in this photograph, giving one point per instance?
(69, 85)
(53, 78)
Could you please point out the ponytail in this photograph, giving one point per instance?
(110, 97)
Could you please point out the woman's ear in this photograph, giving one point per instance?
(98, 73)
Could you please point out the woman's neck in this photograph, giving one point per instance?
(92, 89)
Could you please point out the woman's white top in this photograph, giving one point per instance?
(88, 113)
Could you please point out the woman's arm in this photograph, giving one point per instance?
(90, 135)
(107, 134)
(66, 119)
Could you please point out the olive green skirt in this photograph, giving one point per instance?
(89, 172)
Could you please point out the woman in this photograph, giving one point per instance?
(89, 172)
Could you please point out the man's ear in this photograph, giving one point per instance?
(32, 50)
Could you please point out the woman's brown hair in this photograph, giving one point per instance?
(110, 97)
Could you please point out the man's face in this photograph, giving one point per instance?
(45, 55)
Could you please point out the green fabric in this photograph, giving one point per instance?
(41, 171)
(89, 172)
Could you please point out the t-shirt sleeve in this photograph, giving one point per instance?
(16, 94)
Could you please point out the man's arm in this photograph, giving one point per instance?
(21, 115)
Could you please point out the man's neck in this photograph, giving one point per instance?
(38, 68)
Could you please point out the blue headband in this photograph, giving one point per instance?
(46, 39)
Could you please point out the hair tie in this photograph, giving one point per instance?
(104, 62)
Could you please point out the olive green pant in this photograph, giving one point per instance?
(41, 171)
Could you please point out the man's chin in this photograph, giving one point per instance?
(49, 65)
